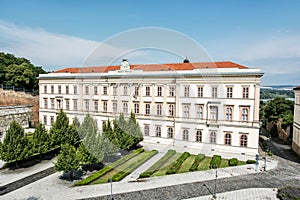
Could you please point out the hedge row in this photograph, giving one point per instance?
(176, 165)
(108, 168)
(233, 162)
(250, 161)
(196, 162)
(119, 176)
(215, 161)
(157, 165)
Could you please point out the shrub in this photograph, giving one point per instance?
(119, 176)
(197, 161)
(250, 161)
(176, 165)
(270, 153)
(215, 161)
(233, 162)
(94, 176)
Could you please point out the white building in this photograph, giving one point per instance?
(212, 105)
(296, 129)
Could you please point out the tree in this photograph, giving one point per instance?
(41, 139)
(278, 108)
(71, 136)
(67, 160)
(59, 129)
(15, 145)
(84, 156)
(76, 122)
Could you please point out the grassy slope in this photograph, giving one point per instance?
(164, 168)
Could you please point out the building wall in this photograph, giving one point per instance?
(185, 100)
(296, 128)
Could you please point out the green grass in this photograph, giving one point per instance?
(186, 165)
(241, 162)
(126, 167)
(224, 163)
(204, 165)
(165, 167)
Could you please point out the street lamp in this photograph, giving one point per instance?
(214, 194)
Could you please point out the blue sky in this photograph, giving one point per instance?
(257, 33)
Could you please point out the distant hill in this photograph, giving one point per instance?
(273, 91)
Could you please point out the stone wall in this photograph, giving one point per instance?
(22, 114)
(283, 134)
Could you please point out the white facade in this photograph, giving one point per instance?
(296, 128)
(205, 108)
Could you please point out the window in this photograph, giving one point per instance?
(59, 89)
(185, 135)
(67, 89)
(51, 120)
(243, 140)
(245, 92)
(125, 107)
(158, 109)
(75, 107)
(125, 90)
(45, 119)
(115, 107)
(199, 111)
(213, 137)
(214, 113)
(171, 91)
(200, 91)
(170, 132)
(115, 90)
(245, 114)
(229, 92)
(96, 105)
(147, 109)
(104, 106)
(146, 130)
(171, 110)
(52, 89)
(95, 90)
(159, 91)
(147, 91)
(186, 91)
(45, 89)
(158, 131)
(136, 91)
(52, 104)
(86, 89)
(45, 103)
(67, 104)
(136, 108)
(198, 136)
(105, 90)
(186, 111)
(59, 103)
(227, 139)
(87, 104)
(214, 92)
(75, 89)
(228, 113)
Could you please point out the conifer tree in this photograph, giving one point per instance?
(59, 129)
(40, 139)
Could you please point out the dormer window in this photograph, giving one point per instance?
(125, 65)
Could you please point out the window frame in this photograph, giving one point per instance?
(185, 135)
(198, 136)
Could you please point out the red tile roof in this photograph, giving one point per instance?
(155, 67)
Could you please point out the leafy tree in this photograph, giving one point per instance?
(67, 160)
(59, 129)
(278, 108)
(41, 139)
(15, 145)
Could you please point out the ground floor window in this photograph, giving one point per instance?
(170, 132)
(185, 135)
(243, 140)
(213, 137)
(158, 131)
(199, 136)
(227, 139)
(146, 130)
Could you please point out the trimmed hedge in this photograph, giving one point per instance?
(197, 161)
(250, 161)
(233, 162)
(109, 167)
(176, 165)
(158, 164)
(119, 176)
(215, 161)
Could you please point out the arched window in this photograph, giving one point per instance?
(227, 139)
(185, 135)
(158, 131)
(243, 140)
(199, 136)
(245, 112)
(146, 130)
(170, 132)
(213, 137)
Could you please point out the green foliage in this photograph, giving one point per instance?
(15, 145)
(176, 165)
(41, 139)
(250, 161)
(59, 129)
(233, 162)
(76, 122)
(84, 156)
(18, 72)
(273, 93)
(67, 161)
(119, 176)
(215, 162)
(196, 162)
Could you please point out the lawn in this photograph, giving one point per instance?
(164, 168)
(224, 163)
(126, 167)
(204, 165)
(186, 165)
